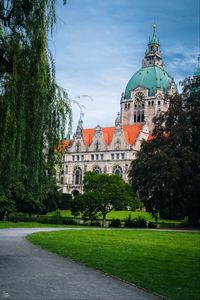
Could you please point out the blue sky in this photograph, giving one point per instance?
(99, 44)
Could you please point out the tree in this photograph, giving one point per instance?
(102, 194)
(166, 173)
(33, 109)
(6, 206)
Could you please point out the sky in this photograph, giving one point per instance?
(99, 44)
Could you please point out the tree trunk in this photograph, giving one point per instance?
(104, 220)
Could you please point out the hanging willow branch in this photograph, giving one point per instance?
(34, 110)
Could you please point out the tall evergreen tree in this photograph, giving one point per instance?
(166, 173)
(33, 109)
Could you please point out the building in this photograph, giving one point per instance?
(111, 149)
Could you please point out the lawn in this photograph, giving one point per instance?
(8, 224)
(163, 262)
(122, 214)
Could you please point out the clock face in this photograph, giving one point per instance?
(139, 98)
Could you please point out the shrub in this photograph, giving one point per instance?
(128, 222)
(115, 223)
(65, 202)
(139, 222)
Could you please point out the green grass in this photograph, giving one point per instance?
(162, 262)
(122, 214)
(8, 224)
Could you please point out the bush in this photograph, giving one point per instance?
(56, 217)
(137, 222)
(128, 222)
(115, 223)
(65, 202)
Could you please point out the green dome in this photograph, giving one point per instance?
(151, 78)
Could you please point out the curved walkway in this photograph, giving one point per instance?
(30, 273)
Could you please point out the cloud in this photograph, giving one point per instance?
(98, 45)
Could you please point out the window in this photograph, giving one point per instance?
(135, 118)
(78, 147)
(142, 117)
(97, 169)
(77, 157)
(112, 156)
(97, 156)
(73, 157)
(82, 157)
(62, 180)
(138, 118)
(117, 170)
(77, 176)
(149, 103)
(152, 103)
(102, 156)
(97, 146)
(158, 102)
(117, 155)
(122, 155)
(92, 157)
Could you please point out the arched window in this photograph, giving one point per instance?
(97, 169)
(78, 147)
(77, 176)
(117, 170)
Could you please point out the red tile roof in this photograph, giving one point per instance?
(131, 132)
(88, 135)
(108, 134)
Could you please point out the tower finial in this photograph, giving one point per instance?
(154, 25)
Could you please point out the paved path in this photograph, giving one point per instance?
(30, 273)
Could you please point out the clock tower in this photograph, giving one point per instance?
(146, 92)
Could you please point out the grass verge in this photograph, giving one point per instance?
(8, 224)
(163, 262)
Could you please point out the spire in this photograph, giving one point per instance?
(197, 70)
(154, 39)
(153, 55)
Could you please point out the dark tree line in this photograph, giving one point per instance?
(33, 109)
(166, 173)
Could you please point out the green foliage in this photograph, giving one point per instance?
(102, 194)
(166, 173)
(6, 206)
(166, 263)
(115, 223)
(87, 204)
(138, 221)
(65, 201)
(33, 109)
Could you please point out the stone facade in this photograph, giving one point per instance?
(111, 149)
